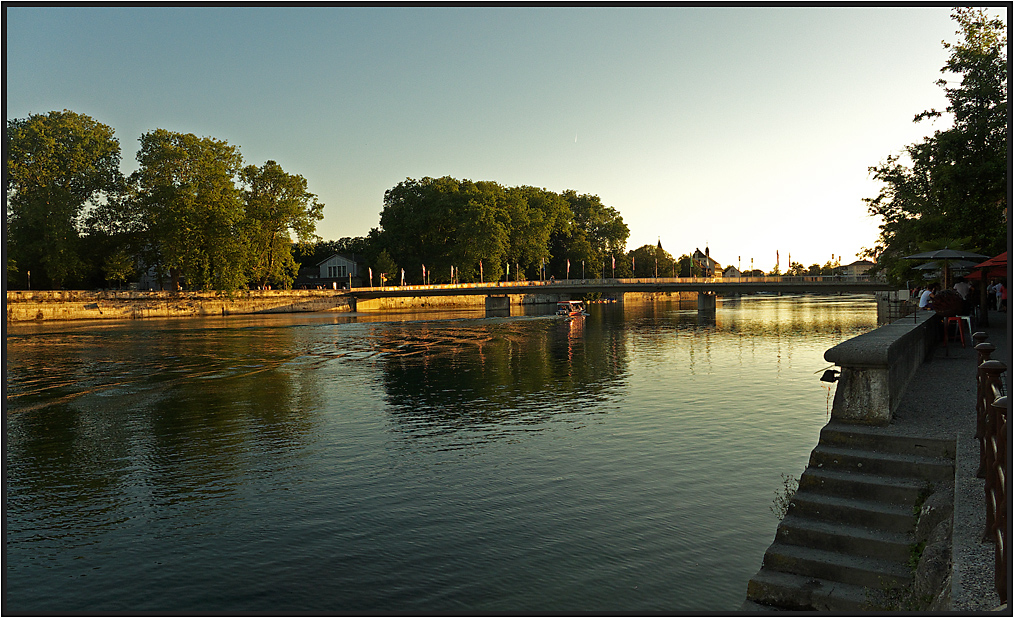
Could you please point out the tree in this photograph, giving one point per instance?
(277, 203)
(119, 267)
(58, 165)
(686, 267)
(191, 209)
(445, 222)
(594, 233)
(386, 268)
(644, 261)
(796, 269)
(953, 183)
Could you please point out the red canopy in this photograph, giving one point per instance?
(999, 260)
(993, 267)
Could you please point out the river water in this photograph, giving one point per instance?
(410, 462)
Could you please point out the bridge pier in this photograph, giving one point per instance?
(498, 306)
(706, 303)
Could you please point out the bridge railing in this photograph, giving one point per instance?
(621, 281)
(991, 431)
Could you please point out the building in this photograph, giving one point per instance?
(731, 271)
(334, 272)
(856, 269)
(708, 266)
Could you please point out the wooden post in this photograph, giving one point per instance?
(984, 350)
(991, 371)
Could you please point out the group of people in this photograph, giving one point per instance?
(930, 297)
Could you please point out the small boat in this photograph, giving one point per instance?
(570, 308)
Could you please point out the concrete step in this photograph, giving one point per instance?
(872, 573)
(882, 488)
(845, 539)
(888, 464)
(865, 438)
(851, 511)
(777, 590)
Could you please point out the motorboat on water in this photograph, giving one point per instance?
(571, 308)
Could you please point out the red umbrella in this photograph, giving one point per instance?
(999, 260)
(993, 267)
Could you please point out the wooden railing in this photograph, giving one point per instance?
(991, 431)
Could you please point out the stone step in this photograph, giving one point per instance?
(882, 488)
(834, 509)
(872, 573)
(777, 590)
(888, 464)
(845, 539)
(847, 435)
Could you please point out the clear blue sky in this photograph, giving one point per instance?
(749, 129)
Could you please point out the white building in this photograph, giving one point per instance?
(338, 267)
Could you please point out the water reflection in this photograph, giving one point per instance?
(488, 379)
(409, 462)
(105, 421)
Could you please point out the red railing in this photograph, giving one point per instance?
(991, 431)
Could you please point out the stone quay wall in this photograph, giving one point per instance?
(42, 306)
(877, 366)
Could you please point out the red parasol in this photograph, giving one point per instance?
(993, 267)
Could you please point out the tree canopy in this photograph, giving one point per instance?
(952, 184)
(58, 166)
(275, 204)
(481, 227)
(191, 209)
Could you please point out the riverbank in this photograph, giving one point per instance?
(61, 305)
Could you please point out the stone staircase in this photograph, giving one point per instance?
(847, 536)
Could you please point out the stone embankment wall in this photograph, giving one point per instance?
(119, 305)
(28, 306)
(650, 297)
(877, 366)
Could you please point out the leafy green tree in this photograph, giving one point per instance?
(59, 165)
(535, 214)
(119, 267)
(387, 270)
(644, 261)
(191, 209)
(953, 183)
(796, 269)
(277, 204)
(363, 248)
(480, 227)
(595, 232)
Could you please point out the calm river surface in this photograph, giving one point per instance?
(412, 462)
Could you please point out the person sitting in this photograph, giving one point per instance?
(947, 303)
(926, 298)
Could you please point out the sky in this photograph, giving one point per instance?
(749, 130)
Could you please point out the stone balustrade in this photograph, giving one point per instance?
(878, 365)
